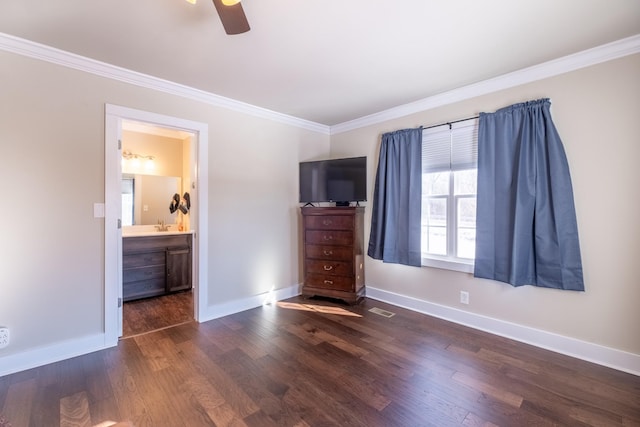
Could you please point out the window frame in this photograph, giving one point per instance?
(468, 158)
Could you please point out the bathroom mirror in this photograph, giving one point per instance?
(146, 199)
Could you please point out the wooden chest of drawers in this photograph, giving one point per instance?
(333, 252)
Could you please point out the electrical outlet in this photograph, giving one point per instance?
(4, 337)
(464, 297)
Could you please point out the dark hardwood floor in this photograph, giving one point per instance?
(150, 314)
(319, 363)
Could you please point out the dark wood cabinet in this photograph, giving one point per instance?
(155, 265)
(178, 269)
(333, 252)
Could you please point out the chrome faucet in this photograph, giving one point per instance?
(162, 226)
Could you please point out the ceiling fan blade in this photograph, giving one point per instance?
(233, 18)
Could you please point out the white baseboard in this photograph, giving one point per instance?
(612, 358)
(51, 354)
(236, 306)
(77, 347)
(616, 359)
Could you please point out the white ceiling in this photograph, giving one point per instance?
(326, 61)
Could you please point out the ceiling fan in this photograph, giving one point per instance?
(231, 14)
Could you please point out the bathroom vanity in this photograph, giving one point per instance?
(156, 264)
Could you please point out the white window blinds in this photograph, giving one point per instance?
(450, 147)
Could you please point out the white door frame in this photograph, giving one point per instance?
(114, 115)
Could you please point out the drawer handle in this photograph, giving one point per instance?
(327, 222)
(329, 237)
(328, 253)
(328, 282)
(328, 267)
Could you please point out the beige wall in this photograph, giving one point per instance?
(596, 111)
(52, 147)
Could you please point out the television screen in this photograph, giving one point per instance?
(337, 180)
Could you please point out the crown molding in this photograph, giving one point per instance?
(17, 45)
(586, 58)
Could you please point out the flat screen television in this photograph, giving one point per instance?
(337, 180)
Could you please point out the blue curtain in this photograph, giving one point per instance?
(526, 223)
(397, 199)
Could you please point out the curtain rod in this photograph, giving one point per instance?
(450, 123)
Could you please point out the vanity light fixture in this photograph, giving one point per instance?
(128, 155)
(137, 158)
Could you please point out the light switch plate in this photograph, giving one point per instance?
(98, 210)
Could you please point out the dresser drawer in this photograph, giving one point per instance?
(329, 222)
(338, 253)
(144, 273)
(143, 259)
(329, 282)
(339, 268)
(329, 237)
(143, 289)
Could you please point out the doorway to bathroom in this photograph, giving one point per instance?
(146, 156)
(156, 203)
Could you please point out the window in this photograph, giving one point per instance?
(127, 201)
(449, 175)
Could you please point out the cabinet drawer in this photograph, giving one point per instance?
(146, 243)
(329, 222)
(144, 273)
(329, 237)
(143, 259)
(338, 253)
(339, 268)
(329, 282)
(143, 289)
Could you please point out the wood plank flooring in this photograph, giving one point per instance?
(320, 363)
(150, 314)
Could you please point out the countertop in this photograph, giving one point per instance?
(153, 233)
